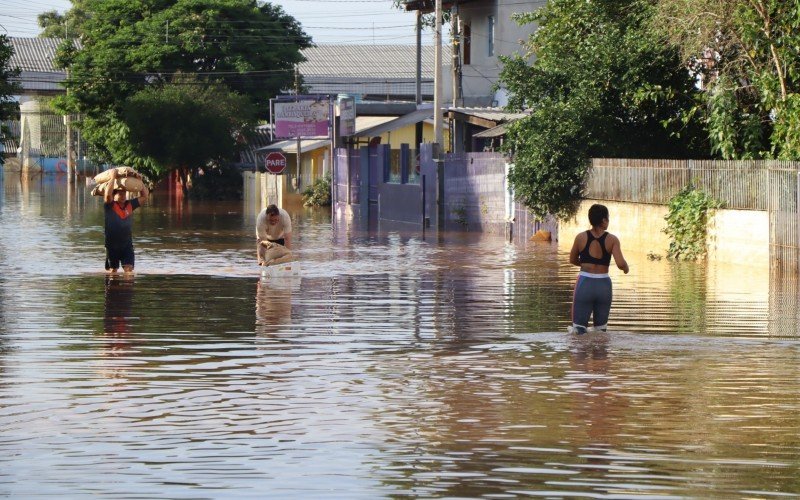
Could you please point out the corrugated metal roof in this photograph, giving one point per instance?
(384, 70)
(498, 115)
(34, 54)
(367, 61)
(492, 132)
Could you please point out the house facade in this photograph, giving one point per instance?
(481, 32)
(487, 31)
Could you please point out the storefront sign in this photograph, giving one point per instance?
(303, 118)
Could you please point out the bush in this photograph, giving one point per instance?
(318, 194)
(687, 223)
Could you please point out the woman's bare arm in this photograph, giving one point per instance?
(573, 253)
(616, 251)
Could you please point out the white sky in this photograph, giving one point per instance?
(327, 21)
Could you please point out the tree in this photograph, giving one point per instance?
(184, 123)
(747, 53)
(128, 47)
(601, 84)
(55, 25)
(8, 87)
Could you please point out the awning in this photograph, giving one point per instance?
(492, 132)
(396, 123)
(483, 117)
(290, 145)
(306, 145)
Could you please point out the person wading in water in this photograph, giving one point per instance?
(592, 252)
(273, 224)
(119, 225)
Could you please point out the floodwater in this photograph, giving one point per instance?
(395, 366)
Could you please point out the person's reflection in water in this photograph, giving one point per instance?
(273, 304)
(597, 405)
(118, 310)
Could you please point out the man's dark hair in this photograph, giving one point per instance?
(597, 213)
(272, 209)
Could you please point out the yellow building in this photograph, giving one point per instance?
(315, 153)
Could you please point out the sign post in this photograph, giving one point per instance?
(275, 163)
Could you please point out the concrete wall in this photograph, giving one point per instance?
(737, 268)
(735, 237)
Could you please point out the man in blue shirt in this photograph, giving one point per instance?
(119, 226)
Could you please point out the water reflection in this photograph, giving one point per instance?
(274, 304)
(117, 315)
(396, 365)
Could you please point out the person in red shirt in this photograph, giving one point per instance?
(119, 226)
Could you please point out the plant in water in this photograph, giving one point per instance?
(460, 215)
(687, 223)
(318, 194)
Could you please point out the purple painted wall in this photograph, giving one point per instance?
(473, 192)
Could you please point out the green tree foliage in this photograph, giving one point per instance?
(747, 53)
(8, 87)
(601, 85)
(171, 125)
(134, 55)
(55, 25)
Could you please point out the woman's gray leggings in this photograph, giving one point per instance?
(592, 298)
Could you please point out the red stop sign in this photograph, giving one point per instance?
(275, 163)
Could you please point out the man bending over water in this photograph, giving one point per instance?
(274, 225)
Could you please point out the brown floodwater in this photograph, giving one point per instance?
(394, 366)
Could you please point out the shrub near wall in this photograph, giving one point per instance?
(687, 223)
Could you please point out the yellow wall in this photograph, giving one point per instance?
(312, 162)
(738, 244)
(734, 236)
(638, 226)
(408, 134)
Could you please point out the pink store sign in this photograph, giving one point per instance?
(307, 118)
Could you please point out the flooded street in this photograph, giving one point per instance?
(395, 366)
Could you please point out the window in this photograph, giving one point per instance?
(490, 33)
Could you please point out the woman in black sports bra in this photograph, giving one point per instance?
(592, 251)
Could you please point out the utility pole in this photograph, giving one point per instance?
(71, 170)
(455, 33)
(298, 145)
(418, 131)
(437, 77)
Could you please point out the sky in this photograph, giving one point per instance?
(372, 22)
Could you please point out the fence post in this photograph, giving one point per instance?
(334, 179)
(509, 199)
(363, 188)
(438, 157)
(428, 171)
